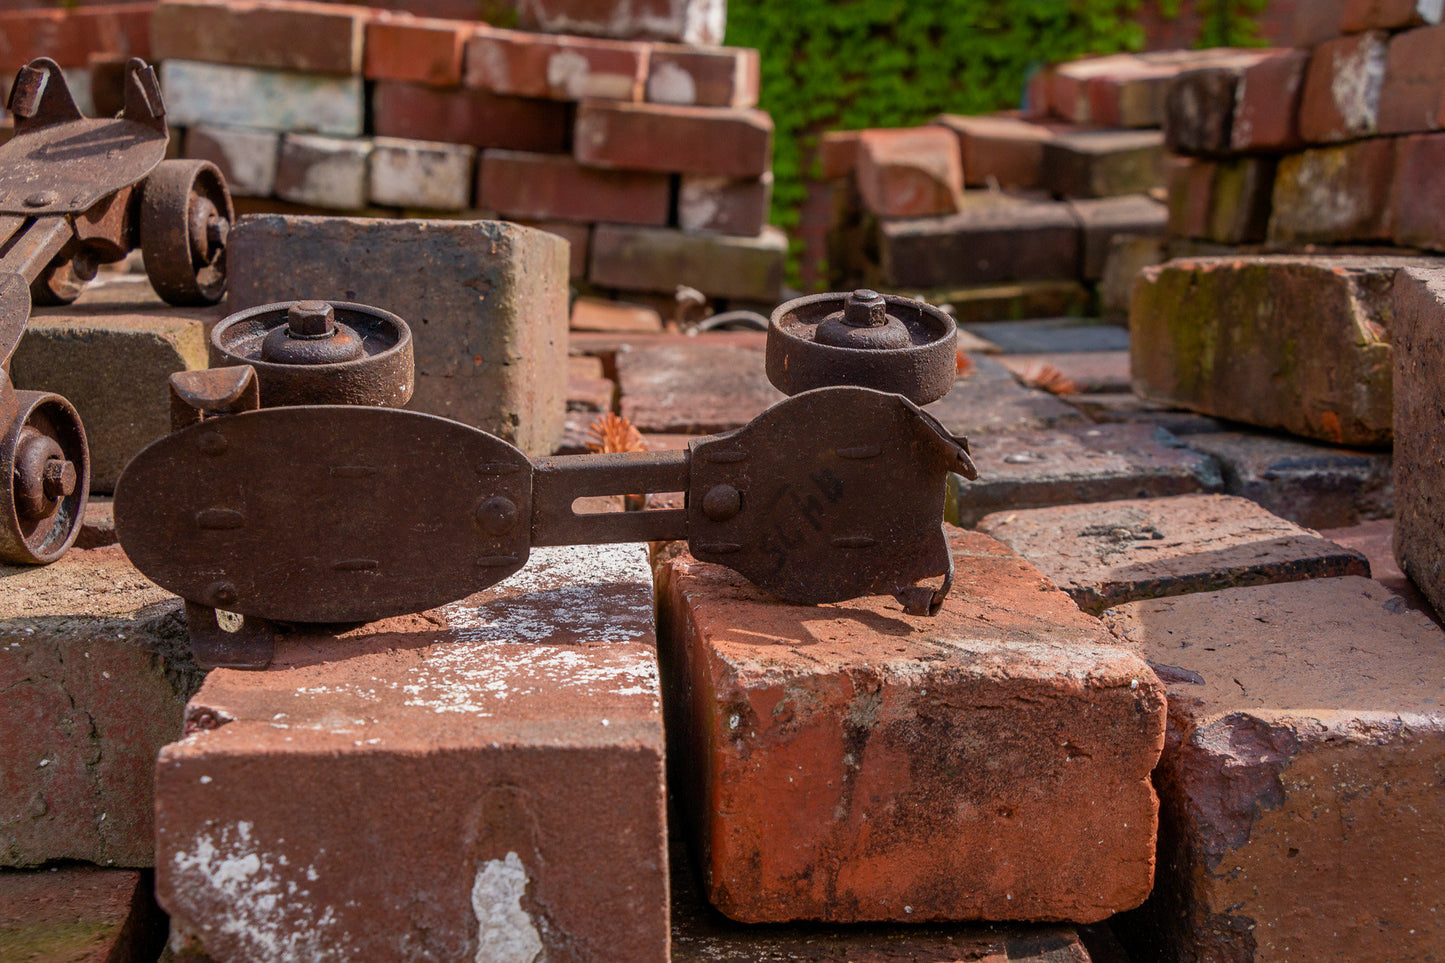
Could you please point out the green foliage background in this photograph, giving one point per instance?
(851, 64)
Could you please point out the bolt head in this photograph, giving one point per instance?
(59, 478)
(222, 594)
(722, 502)
(865, 308)
(497, 515)
(41, 199)
(310, 319)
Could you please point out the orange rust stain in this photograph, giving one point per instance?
(1330, 422)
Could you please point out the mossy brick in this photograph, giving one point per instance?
(1227, 201)
(1301, 815)
(232, 96)
(1341, 95)
(1098, 463)
(1125, 551)
(475, 117)
(1295, 343)
(1335, 195)
(95, 666)
(988, 242)
(853, 763)
(1419, 474)
(1103, 163)
(1308, 482)
(80, 914)
(111, 354)
(280, 34)
(486, 302)
(659, 259)
(498, 760)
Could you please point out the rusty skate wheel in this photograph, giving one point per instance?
(865, 339)
(43, 454)
(62, 281)
(185, 220)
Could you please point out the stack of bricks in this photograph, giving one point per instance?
(1334, 142)
(1034, 200)
(648, 156)
(89, 43)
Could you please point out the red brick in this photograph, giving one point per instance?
(850, 762)
(1068, 84)
(1413, 96)
(1300, 808)
(985, 243)
(1341, 98)
(717, 205)
(1226, 201)
(999, 149)
(1334, 195)
(1388, 14)
(1125, 551)
(499, 761)
(1091, 372)
(1266, 116)
(119, 30)
(1375, 539)
(703, 77)
(553, 186)
(81, 914)
(281, 34)
(1419, 195)
(471, 117)
(70, 37)
(560, 68)
(96, 673)
(688, 140)
(428, 51)
(910, 172)
(686, 21)
(1200, 104)
(1132, 96)
(838, 153)
(593, 314)
(1316, 21)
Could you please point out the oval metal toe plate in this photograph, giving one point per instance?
(324, 514)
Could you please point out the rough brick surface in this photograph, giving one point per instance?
(421, 49)
(111, 354)
(577, 236)
(325, 172)
(1225, 201)
(594, 314)
(494, 362)
(246, 158)
(1413, 95)
(661, 137)
(95, 666)
(231, 96)
(1317, 21)
(1388, 14)
(554, 186)
(1103, 163)
(989, 399)
(657, 259)
(687, 21)
(986, 243)
(1128, 255)
(1341, 98)
(561, 68)
(1103, 463)
(1090, 372)
(80, 914)
(687, 387)
(851, 762)
(1418, 207)
(1375, 539)
(1124, 551)
(262, 33)
(1300, 804)
(1266, 113)
(1419, 337)
(70, 37)
(418, 174)
(473, 117)
(1300, 344)
(717, 205)
(498, 760)
(703, 77)
(909, 172)
(1003, 150)
(1335, 194)
(1306, 482)
(1103, 219)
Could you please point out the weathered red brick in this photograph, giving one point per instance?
(1102, 219)
(1200, 105)
(324, 172)
(246, 157)
(227, 95)
(718, 205)
(70, 37)
(420, 175)
(1413, 96)
(662, 137)
(1418, 205)
(1334, 195)
(593, 314)
(561, 68)
(1125, 551)
(658, 259)
(1317, 21)
(419, 49)
(473, 117)
(1131, 96)
(1341, 97)
(982, 303)
(458, 757)
(686, 21)
(1318, 362)
(1227, 201)
(1388, 14)
(1419, 350)
(910, 172)
(1067, 84)
(1103, 163)
(838, 153)
(1300, 807)
(1375, 539)
(280, 34)
(1266, 114)
(80, 913)
(692, 388)
(96, 671)
(839, 766)
(703, 76)
(999, 149)
(556, 187)
(989, 241)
